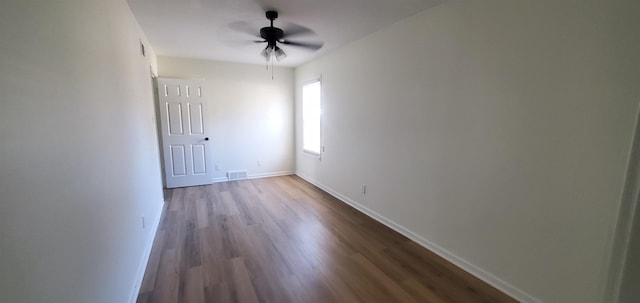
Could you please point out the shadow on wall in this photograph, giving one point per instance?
(626, 255)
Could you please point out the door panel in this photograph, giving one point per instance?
(195, 117)
(174, 114)
(187, 150)
(178, 161)
(199, 162)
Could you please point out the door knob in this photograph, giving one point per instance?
(206, 138)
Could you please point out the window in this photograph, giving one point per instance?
(311, 113)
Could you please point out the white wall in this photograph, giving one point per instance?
(251, 115)
(78, 152)
(495, 132)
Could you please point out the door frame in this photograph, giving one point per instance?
(156, 121)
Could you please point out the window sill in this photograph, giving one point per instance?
(311, 154)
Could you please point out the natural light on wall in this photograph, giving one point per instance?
(311, 112)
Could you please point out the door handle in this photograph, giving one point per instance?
(206, 138)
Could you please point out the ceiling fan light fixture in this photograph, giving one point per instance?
(273, 36)
(267, 53)
(280, 54)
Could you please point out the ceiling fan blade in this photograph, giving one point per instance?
(292, 30)
(307, 45)
(244, 27)
(239, 43)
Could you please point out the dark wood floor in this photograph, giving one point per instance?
(283, 240)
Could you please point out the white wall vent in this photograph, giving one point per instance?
(237, 175)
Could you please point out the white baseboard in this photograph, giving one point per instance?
(257, 176)
(220, 179)
(267, 175)
(457, 261)
(147, 253)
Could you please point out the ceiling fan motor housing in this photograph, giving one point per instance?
(271, 34)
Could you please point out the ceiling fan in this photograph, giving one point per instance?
(273, 36)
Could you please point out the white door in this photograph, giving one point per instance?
(186, 145)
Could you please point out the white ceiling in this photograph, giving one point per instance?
(201, 28)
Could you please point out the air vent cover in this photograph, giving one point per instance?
(237, 175)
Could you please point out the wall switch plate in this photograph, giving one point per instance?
(217, 167)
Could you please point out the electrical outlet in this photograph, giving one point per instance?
(364, 189)
(217, 167)
(259, 163)
(144, 225)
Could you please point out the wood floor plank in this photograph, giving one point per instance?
(212, 256)
(166, 288)
(151, 273)
(421, 292)
(144, 297)
(280, 240)
(202, 212)
(177, 199)
(391, 288)
(241, 288)
(191, 246)
(194, 286)
(218, 293)
(308, 287)
(229, 229)
(229, 205)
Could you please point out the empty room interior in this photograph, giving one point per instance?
(319, 151)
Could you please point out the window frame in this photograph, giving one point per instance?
(320, 147)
